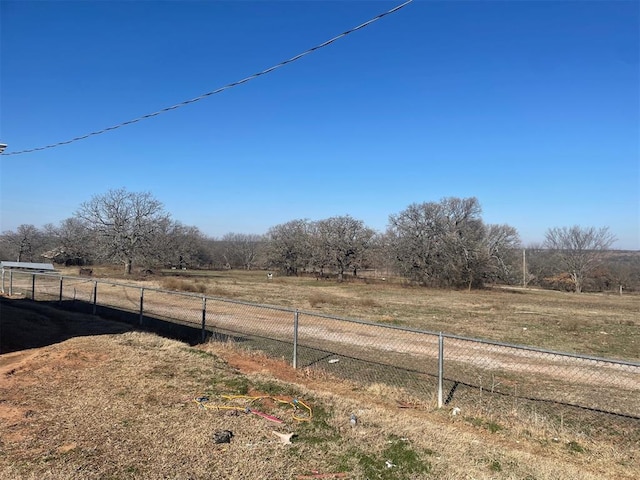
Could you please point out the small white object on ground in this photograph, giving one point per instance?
(285, 438)
(353, 420)
(334, 360)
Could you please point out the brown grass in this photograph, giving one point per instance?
(603, 325)
(121, 406)
(182, 285)
(318, 299)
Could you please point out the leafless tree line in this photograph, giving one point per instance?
(444, 244)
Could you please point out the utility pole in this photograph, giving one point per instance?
(524, 267)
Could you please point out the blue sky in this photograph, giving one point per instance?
(532, 107)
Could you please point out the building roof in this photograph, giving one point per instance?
(28, 266)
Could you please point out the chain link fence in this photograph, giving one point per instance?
(481, 379)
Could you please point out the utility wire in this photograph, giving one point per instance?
(218, 90)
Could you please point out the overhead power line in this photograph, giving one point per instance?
(218, 90)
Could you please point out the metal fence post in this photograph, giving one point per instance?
(60, 296)
(3, 280)
(11, 282)
(141, 305)
(33, 287)
(95, 296)
(204, 318)
(295, 339)
(440, 367)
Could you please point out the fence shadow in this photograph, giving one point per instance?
(190, 333)
(25, 324)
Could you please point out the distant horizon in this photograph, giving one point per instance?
(531, 107)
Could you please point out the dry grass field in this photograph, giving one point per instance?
(603, 325)
(96, 400)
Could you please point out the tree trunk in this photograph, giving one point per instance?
(127, 267)
(577, 281)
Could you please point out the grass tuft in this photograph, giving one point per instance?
(575, 447)
(319, 298)
(181, 285)
(495, 466)
(397, 461)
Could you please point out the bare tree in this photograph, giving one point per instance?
(380, 255)
(625, 270)
(215, 253)
(447, 244)
(320, 259)
(414, 236)
(25, 244)
(72, 242)
(124, 224)
(462, 242)
(242, 249)
(579, 250)
(176, 245)
(289, 246)
(342, 243)
(502, 246)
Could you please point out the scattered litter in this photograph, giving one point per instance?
(353, 420)
(222, 436)
(455, 411)
(334, 360)
(402, 439)
(389, 464)
(285, 438)
(264, 415)
(604, 333)
(301, 411)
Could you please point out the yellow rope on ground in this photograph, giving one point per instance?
(296, 404)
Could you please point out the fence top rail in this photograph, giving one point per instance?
(544, 350)
(361, 322)
(369, 323)
(252, 304)
(29, 273)
(183, 294)
(475, 340)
